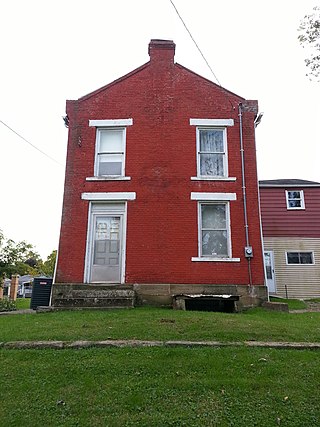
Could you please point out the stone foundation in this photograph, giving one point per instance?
(80, 295)
(163, 295)
(110, 296)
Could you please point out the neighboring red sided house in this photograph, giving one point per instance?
(290, 211)
(161, 190)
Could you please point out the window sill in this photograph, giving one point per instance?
(212, 178)
(108, 178)
(296, 209)
(307, 264)
(209, 259)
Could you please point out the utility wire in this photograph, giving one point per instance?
(195, 42)
(33, 146)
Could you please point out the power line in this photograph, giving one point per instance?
(32, 145)
(195, 42)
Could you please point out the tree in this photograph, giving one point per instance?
(309, 38)
(17, 258)
(49, 265)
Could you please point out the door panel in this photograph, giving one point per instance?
(269, 269)
(106, 254)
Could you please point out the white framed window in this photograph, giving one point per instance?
(110, 148)
(212, 152)
(295, 199)
(110, 152)
(300, 257)
(214, 230)
(211, 146)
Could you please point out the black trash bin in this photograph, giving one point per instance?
(41, 292)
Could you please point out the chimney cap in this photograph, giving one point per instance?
(161, 44)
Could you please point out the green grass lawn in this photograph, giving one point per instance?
(293, 304)
(221, 386)
(161, 324)
(23, 303)
(160, 387)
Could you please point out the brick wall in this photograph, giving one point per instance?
(162, 230)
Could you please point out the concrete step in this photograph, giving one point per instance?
(92, 295)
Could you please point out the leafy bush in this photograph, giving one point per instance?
(7, 304)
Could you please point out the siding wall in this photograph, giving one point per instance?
(302, 281)
(278, 221)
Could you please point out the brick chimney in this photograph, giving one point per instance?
(161, 50)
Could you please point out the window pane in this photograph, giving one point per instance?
(110, 164)
(294, 203)
(211, 165)
(214, 243)
(111, 141)
(293, 257)
(268, 272)
(294, 195)
(213, 216)
(305, 258)
(102, 228)
(211, 140)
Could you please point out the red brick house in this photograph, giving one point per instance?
(290, 211)
(161, 191)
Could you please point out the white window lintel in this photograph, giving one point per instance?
(211, 122)
(111, 122)
(213, 196)
(109, 196)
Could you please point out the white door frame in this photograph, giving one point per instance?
(270, 251)
(112, 209)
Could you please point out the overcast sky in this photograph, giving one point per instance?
(63, 49)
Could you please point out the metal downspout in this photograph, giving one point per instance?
(260, 216)
(244, 190)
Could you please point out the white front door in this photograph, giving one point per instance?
(269, 268)
(105, 244)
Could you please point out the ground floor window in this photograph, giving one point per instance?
(300, 258)
(214, 233)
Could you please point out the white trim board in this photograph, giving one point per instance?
(111, 122)
(108, 178)
(211, 122)
(209, 259)
(203, 197)
(213, 178)
(108, 196)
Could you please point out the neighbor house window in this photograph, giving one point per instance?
(214, 230)
(295, 199)
(211, 152)
(300, 258)
(110, 152)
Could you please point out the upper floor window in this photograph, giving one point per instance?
(212, 153)
(300, 258)
(295, 199)
(110, 148)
